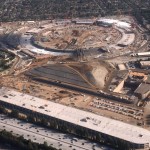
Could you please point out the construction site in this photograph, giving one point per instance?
(74, 37)
(89, 64)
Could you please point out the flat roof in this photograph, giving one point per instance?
(118, 23)
(143, 53)
(121, 66)
(145, 63)
(148, 79)
(143, 88)
(85, 119)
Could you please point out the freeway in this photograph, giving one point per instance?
(53, 138)
(7, 147)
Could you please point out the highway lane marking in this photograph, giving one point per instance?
(42, 135)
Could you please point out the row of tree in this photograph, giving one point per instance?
(21, 143)
(49, 9)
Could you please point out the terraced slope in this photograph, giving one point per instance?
(72, 75)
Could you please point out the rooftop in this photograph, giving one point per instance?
(118, 23)
(148, 79)
(145, 63)
(143, 88)
(82, 118)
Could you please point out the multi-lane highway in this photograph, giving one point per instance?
(39, 134)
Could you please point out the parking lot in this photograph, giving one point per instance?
(118, 108)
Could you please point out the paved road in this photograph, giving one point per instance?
(7, 147)
(52, 137)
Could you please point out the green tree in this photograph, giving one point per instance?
(30, 146)
(14, 113)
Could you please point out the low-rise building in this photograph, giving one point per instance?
(145, 64)
(122, 67)
(84, 21)
(143, 90)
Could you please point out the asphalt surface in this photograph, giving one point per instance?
(60, 73)
(53, 138)
(7, 147)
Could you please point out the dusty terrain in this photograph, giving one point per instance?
(76, 37)
(63, 96)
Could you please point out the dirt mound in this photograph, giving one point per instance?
(95, 73)
(99, 75)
